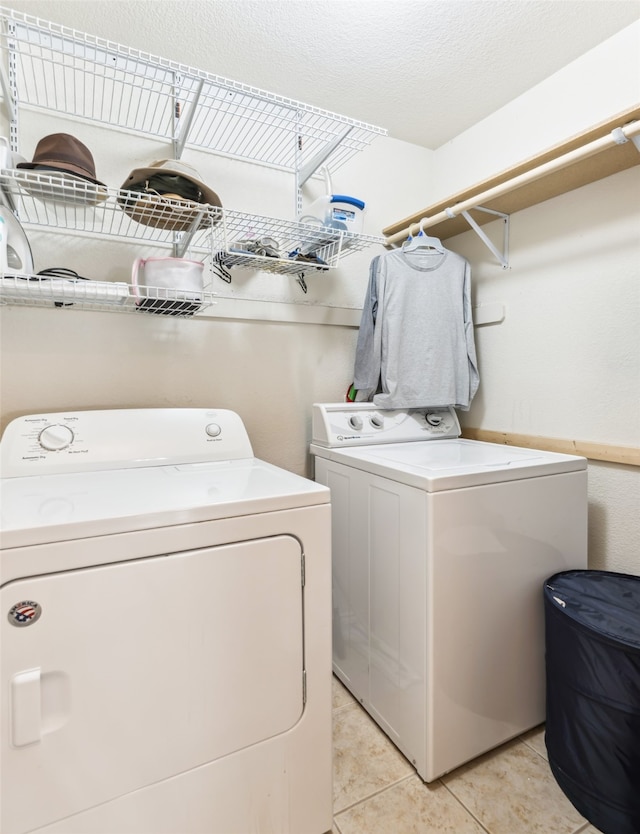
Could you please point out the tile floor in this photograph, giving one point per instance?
(376, 790)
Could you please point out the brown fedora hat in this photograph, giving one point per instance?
(64, 152)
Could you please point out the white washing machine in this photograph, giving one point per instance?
(440, 550)
(166, 649)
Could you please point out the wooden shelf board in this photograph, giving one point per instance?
(628, 455)
(609, 161)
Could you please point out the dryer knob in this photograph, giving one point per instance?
(213, 430)
(433, 418)
(55, 438)
(355, 422)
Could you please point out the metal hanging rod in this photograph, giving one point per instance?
(618, 136)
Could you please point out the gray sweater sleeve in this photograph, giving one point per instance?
(366, 374)
(474, 375)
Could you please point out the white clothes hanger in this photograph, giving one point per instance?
(422, 241)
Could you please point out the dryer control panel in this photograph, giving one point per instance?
(78, 441)
(363, 424)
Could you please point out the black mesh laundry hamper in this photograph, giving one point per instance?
(592, 621)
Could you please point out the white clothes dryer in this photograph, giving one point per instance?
(441, 546)
(166, 655)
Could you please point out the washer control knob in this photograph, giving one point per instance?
(355, 422)
(55, 438)
(377, 421)
(213, 430)
(433, 418)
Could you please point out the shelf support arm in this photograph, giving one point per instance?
(181, 245)
(184, 127)
(320, 158)
(503, 256)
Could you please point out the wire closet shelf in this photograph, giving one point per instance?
(223, 238)
(54, 201)
(56, 69)
(103, 296)
(82, 76)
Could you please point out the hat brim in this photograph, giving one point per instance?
(67, 168)
(139, 175)
(175, 215)
(59, 187)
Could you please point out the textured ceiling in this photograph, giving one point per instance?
(423, 69)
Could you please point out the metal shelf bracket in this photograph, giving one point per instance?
(183, 127)
(503, 257)
(10, 87)
(318, 161)
(182, 240)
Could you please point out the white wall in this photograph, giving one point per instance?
(563, 363)
(595, 87)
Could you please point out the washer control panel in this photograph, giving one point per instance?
(361, 424)
(47, 444)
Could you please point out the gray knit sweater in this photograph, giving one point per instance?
(415, 344)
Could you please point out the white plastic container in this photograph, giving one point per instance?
(169, 286)
(339, 211)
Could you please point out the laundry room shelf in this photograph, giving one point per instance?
(605, 149)
(232, 239)
(105, 296)
(53, 67)
(52, 201)
(52, 70)
(281, 246)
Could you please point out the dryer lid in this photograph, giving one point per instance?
(57, 508)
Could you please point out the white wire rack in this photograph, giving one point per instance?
(105, 296)
(53, 200)
(57, 68)
(49, 67)
(230, 238)
(251, 241)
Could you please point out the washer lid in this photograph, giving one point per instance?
(453, 464)
(53, 508)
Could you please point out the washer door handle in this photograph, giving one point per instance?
(26, 712)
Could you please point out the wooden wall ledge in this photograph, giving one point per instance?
(582, 172)
(628, 455)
